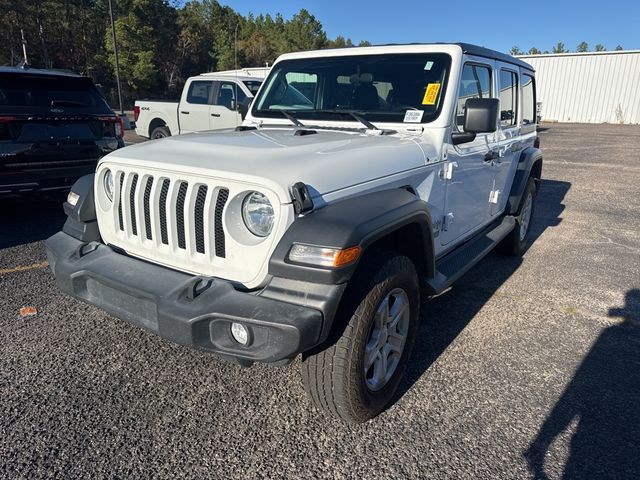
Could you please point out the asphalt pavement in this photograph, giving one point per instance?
(526, 368)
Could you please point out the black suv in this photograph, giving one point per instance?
(54, 127)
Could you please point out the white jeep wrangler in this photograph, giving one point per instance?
(361, 179)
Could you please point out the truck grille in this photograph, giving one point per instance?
(185, 212)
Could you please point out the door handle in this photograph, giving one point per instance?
(215, 114)
(184, 113)
(491, 155)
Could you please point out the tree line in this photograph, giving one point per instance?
(560, 48)
(160, 42)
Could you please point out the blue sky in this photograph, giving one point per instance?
(497, 25)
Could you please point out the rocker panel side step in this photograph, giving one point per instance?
(455, 264)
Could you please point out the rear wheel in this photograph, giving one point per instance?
(357, 373)
(516, 242)
(160, 132)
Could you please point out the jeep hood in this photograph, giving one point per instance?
(277, 158)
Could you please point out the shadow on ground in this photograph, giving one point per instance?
(604, 398)
(445, 316)
(30, 218)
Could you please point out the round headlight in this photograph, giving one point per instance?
(108, 184)
(257, 213)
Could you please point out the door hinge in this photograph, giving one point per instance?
(446, 221)
(493, 196)
(447, 170)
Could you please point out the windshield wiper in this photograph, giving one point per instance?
(355, 115)
(292, 119)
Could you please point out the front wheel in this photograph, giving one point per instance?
(356, 375)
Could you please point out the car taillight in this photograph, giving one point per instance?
(118, 126)
(136, 113)
(6, 119)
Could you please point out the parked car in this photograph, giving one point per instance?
(209, 102)
(54, 127)
(361, 179)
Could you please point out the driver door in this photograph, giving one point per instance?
(468, 171)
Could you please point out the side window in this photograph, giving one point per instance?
(199, 92)
(474, 83)
(528, 100)
(508, 98)
(226, 95)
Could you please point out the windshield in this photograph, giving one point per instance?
(379, 88)
(253, 86)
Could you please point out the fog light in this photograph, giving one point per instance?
(240, 333)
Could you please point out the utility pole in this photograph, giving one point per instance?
(115, 52)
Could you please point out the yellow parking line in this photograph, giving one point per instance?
(22, 268)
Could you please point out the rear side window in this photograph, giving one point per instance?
(199, 92)
(528, 100)
(474, 83)
(40, 92)
(508, 98)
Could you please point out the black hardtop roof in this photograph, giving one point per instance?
(478, 51)
(493, 54)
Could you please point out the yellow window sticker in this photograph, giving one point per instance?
(431, 94)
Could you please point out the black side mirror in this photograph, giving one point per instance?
(480, 116)
(243, 107)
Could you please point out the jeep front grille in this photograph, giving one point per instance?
(183, 210)
(188, 221)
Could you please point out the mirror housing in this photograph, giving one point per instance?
(480, 116)
(243, 107)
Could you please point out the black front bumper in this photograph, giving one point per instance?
(194, 311)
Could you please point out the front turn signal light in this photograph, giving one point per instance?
(324, 256)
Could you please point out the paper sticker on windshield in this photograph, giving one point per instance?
(431, 94)
(413, 116)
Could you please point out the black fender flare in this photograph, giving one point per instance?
(361, 220)
(530, 159)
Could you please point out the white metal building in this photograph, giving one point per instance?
(590, 87)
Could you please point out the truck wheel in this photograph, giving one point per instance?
(160, 132)
(358, 371)
(516, 242)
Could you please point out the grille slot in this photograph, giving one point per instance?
(132, 204)
(182, 194)
(163, 211)
(147, 208)
(223, 195)
(199, 217)
(120, 220)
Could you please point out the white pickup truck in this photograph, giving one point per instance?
(210, 101)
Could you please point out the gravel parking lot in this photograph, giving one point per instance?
(525, 368)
